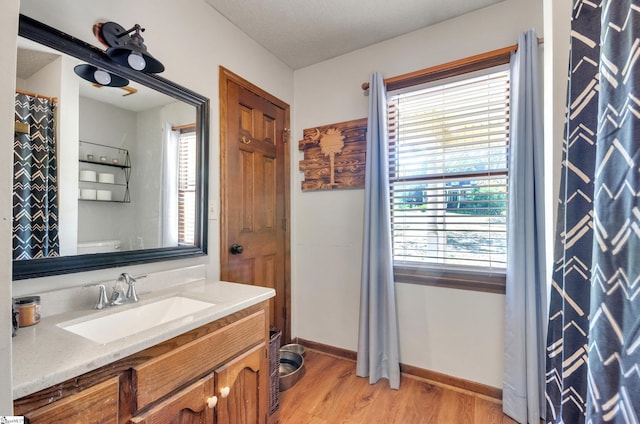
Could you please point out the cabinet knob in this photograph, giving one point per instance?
(224, 392)
(212, 402)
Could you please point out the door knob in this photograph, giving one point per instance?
(236, 249)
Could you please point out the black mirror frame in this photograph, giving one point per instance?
(23, 269)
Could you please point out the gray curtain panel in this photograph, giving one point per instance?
(526, 293)
(378, 355)
(594, 317)
(35, 187)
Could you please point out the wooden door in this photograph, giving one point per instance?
(255, 192)
(241, 386)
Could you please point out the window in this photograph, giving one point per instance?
(448, 158)
(186, 186)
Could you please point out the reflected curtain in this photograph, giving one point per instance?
(378, 355)
(35, 188)
(525, 300)
(594, 316)
(169, 196)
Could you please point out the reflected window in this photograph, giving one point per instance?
(186, 185)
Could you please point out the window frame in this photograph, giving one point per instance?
(451, 276)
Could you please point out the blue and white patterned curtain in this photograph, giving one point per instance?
(35, 188)
(593, 352)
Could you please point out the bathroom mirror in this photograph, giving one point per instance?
(117, 160)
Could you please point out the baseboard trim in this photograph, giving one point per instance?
(328, 349)
(410, 370)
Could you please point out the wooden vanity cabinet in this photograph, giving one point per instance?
(215, 374)
(231, 395)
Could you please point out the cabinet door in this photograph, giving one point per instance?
(193, 404)
(242, 388)
(97, 404)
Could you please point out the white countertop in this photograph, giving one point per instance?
(45, 354)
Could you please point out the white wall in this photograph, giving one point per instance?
(146, 177)
(68, 135)
(456, 332)
(108, 125)
(147, 159)
(8, 29)
(557, 26)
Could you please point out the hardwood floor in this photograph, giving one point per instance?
(329, 393)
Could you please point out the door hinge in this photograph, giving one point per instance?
(284, 313)
(285, 135)
(284, 224)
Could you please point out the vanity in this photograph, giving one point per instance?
(209, 366)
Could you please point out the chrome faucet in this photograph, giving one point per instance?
(118, 295)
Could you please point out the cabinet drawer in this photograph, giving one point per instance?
(97, 404)
(188, 405)
(163, 374)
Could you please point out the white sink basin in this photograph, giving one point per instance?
(107, 328)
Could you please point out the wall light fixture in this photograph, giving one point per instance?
(126, 47)
(99, 76)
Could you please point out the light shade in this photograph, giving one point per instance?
(128, 50)
(99, 76)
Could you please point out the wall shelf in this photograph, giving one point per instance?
(114, 165)
(95, 157)
(104, 201)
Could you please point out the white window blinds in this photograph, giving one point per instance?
(186, 187)
(448, 147)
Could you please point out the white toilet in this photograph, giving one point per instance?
(104, 246)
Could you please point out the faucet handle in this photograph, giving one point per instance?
(131, 295)
(117, 295)
(102, 301)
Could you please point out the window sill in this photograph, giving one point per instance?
(475, 280)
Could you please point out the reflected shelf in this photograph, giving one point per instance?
(115, 165)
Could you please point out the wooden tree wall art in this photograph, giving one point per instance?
(334, 156)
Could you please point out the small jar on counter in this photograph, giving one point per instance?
(28, 310)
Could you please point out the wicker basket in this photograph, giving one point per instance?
(274, 365)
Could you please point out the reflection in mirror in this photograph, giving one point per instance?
(112, 175)
(129, 156)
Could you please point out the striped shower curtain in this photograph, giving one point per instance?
(593, 342)
(35, 188)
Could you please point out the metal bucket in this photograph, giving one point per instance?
(290, 371)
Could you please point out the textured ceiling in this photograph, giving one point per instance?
(31, 61)
(304, 32)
